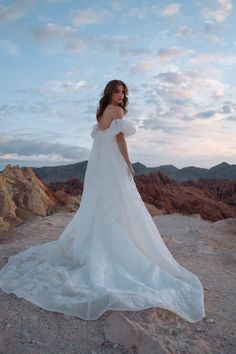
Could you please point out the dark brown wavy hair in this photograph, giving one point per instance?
(106, 97)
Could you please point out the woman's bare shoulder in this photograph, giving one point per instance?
(110, 113)
(116, 112)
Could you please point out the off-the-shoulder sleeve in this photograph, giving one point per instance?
(94, 131)
(122, 126)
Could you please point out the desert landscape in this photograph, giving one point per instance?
(199, 230)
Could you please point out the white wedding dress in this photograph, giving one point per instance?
(111, 255)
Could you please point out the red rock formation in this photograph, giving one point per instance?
(220, 189)
(69, 193)
(72, 186)
(162, 194)
(23, 194)
(204, 198)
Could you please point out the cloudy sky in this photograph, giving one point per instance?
(177, 58)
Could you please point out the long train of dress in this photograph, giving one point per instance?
(111, 255)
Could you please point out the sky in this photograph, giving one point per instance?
(178, 60)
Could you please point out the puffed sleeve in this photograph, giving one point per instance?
(94, 131)
(122, 126)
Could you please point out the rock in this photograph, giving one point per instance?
(210, 199)
(23, 194)
(70, 202)
(119, 329)
(72, 186)
(210, 320)
(153, 211)
(4, 225)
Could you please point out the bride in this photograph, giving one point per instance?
(111, 255)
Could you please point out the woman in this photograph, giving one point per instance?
(111, 255)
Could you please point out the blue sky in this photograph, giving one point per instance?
(177, 58)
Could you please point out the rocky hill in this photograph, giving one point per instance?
(23, 194)
(213, 199)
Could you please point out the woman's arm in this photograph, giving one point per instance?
(124, 151)
(123, 147)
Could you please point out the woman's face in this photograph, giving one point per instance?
(118, 95)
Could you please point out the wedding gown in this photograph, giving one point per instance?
(111, 255)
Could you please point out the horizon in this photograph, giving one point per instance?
(178, 60)
(223, 162)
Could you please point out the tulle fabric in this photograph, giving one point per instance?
(111, 255)
(117, 126)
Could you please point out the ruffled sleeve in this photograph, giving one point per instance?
(117, 126)
(122, 126)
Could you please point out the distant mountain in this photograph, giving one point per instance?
(77, 170)
(167, 169)
(221, 171)
(61, 173)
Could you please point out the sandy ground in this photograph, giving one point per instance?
(207, 249)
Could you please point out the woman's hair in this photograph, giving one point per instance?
(106, 97)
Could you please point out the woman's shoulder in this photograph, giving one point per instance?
(117, 110)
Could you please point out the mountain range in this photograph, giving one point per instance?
(64, 172)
